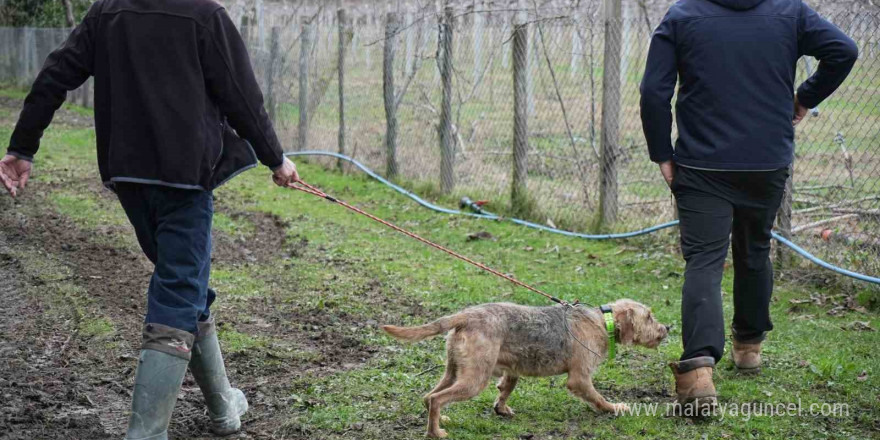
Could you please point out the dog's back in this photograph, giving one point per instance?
(533, 329)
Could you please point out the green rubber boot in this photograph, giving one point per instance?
(225, 404)
(162, 364)
(158, 380)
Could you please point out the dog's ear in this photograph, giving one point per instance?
(626, 325)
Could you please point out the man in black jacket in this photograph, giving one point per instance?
(171, 77)
(735, 63)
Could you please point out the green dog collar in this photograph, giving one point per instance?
(609, 326)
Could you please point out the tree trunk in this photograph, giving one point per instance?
(68, 13)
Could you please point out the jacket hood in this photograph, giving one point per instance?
(739, 5)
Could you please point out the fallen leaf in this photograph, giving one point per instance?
(482, 235)
(803, 363)
(858, 326)
(837, 311)
(863, 376)
(805, 317)
(551, 250)
(528, 248)
(551, 224)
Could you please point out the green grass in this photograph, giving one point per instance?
(232, 226)
(234, 342)
(810, 357)
(97, 328)
(86, 209)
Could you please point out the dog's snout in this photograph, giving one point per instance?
(667, 327)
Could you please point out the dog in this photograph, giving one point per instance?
(511, 341)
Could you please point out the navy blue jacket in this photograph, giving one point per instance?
(735, 63)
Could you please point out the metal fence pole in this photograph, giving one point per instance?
(608, 204)
(305, 40)
(519, 191)
(392, 24)
(340, 65)
(447, 143)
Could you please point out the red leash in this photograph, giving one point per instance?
(309, 189)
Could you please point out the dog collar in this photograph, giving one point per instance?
(609, 326)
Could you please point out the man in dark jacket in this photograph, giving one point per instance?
(735, 63)
(171, 78)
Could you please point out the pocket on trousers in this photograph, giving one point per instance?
(676, 179)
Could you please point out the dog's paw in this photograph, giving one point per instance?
(444, 419)
(440, 433)
(504, 411)
(619, 409)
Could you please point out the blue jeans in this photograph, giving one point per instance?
(173, 227)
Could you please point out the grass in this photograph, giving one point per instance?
(355, 267)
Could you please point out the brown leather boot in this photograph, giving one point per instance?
(694, 389)
(747, 357)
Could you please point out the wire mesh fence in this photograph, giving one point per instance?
(534, 109)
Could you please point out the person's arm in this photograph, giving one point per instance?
(657, 89)
(836, 53)
(233, 87)
(65, 69)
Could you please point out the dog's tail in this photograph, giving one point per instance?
(413, 334)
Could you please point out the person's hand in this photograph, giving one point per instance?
(668, 170)
(14, 173)
(799, 112)
(285, 174)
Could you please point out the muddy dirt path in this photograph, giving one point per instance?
(60, 383)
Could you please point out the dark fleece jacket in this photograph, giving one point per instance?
(168, 74)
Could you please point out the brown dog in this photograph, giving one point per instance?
(510, 341)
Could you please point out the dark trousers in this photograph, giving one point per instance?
(173, 227)
(711, 205)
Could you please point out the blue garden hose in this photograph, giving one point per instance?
(488, 215)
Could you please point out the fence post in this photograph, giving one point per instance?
(24, 67)
(447, 143)
(391, 27)
(245, 29)
(340, 18)
(478, 29)
(520, 54)
(84, 94)
(783, 220)
(271, 103)
(610, 115)
(305, 40)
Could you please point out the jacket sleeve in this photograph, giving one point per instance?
(836, 52)
(233, 87)
(65, 69)
(657, 89)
